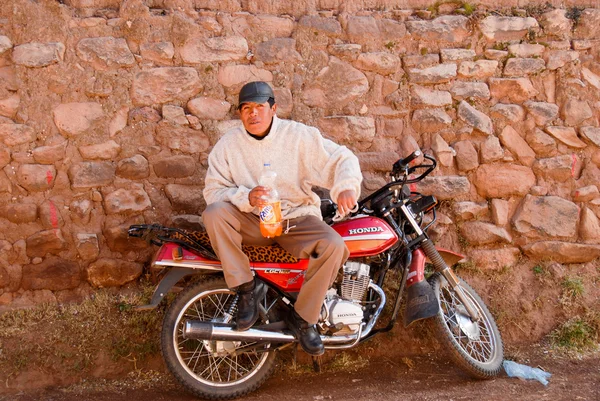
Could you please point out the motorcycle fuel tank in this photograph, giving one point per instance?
(366, 235)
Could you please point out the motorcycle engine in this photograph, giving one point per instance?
(344, 315)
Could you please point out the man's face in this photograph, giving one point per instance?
(257, 117)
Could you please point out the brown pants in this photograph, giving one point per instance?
(311, 239)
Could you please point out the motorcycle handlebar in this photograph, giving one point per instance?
(403, 163)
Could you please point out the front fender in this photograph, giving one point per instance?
(421, 302)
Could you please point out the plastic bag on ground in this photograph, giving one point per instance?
(514, 369)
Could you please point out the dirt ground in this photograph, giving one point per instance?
(417, 378)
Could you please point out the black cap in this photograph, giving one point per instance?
(256, 92)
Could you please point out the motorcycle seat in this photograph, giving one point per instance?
(198, 241)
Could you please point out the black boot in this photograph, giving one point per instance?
(306, 334)
(250, 294)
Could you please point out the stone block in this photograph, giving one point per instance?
(74, 119)
(466, 156)
(592, 134)
(425, 97)
(91, 174)
(562, 252)
(215, 49)
(36, 54)
(19, 213)
(513, 90)
(499, 29)
(511, 139)
(105, 53)
(433, 75)
(16, 134)
(133, 168)
(175, 167)
(43, 242)
(87, 246)
(278, 50)
(165, 85)
(339, 83)
(445, 187)
(380, 62)
(9, 106)
(500, 210)
(185, 198)
(540, 217)
(50, 154)
(518, 67)
(233, 76)
(481, 233)
(53, 274)
(447, 28)
(467, 90)
(469, 210)
(112, 272)
(182, 139)
(206, 108)
(158, 52)
(36, 177)
(103, 151)
(127, 201)
(503, 180)
(475, 118)
(566, 135)
(479, 69)
(575, 111)
(356, 132)
(542, 144)
(430, 120)
(50, 215)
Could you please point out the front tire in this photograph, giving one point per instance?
(474, 346)
(213, 370)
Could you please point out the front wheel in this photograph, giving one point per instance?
(212, 369)
(475, 346)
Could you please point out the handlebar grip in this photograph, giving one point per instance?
(401, 164)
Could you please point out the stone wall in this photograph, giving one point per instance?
(108, 112)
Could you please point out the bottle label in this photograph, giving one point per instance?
(271, 213)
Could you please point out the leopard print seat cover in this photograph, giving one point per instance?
(272, 254)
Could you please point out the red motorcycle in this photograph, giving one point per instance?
(387, 232)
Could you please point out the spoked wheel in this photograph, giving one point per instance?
(475, 346)
(212, 369)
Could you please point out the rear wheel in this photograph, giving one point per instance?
(475, 346)
(212, 369)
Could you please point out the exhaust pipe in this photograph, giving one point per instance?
(200, 330)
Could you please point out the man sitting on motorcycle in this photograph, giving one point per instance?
(302, 158)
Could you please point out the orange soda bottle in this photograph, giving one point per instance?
(270, 213)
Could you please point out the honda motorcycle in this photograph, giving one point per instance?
(388, 231)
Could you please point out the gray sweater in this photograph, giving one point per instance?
(299, 155)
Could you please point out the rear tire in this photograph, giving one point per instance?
(474, 346)
(211, 369)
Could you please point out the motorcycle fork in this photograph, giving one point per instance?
(438, 262)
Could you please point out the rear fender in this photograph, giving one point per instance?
(171, 278)
(179, 263)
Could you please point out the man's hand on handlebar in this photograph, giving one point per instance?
(346, 201)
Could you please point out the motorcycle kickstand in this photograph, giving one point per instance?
(317, 363)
